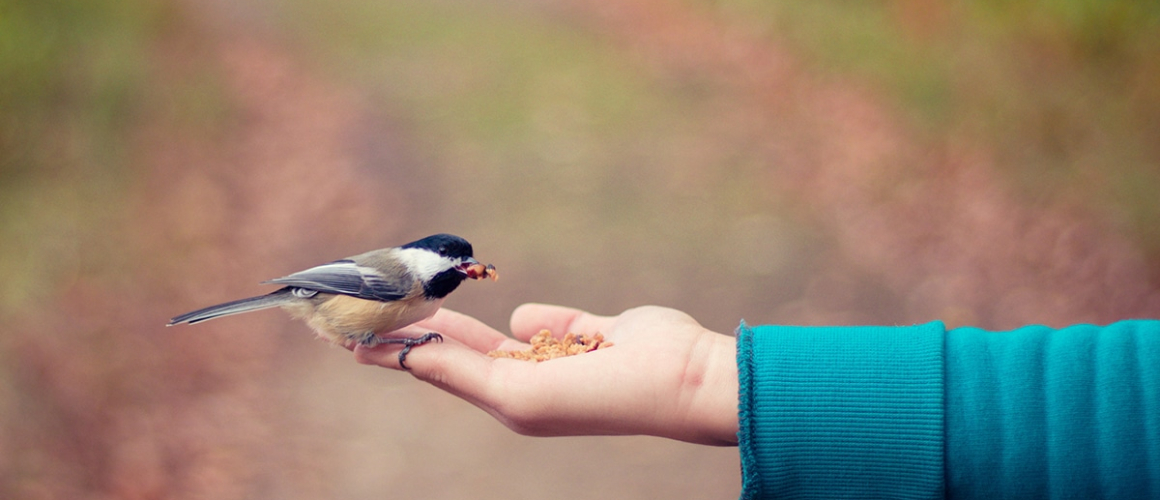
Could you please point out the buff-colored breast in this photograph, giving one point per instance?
(342, 318)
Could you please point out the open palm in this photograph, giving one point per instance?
(666, 375)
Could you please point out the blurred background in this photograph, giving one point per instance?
(805, 161)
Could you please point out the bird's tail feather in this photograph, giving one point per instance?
(275, 299)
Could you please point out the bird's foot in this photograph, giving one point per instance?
(407, 342)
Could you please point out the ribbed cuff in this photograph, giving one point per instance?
(841, 412)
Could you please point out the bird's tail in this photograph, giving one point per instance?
(274, 299)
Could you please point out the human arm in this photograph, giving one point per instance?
(665, 376)
(827, 412)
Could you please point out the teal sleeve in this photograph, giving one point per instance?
(919, 412)
(1043, 413)
(841, 412)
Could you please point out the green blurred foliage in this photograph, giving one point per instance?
(71, 75)
(73, 65)
(1065, 92)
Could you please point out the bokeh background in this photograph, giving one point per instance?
(804, 161)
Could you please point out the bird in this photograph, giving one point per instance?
(353, 300)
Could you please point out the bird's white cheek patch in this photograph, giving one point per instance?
(425, 264)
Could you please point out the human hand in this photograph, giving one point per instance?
(665, 376)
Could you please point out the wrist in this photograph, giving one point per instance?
(712, 417)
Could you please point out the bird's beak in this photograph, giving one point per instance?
(476, 271)
(465, 265)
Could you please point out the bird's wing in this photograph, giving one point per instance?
(348, 278)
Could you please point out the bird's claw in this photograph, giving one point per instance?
(407, 342)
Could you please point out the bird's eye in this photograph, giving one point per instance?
(443, 249)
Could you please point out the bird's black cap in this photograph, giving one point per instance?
(447, 245)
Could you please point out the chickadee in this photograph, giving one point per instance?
(353, 299)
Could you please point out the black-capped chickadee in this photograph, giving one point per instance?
(354, 299)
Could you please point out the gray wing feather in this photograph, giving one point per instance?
(348, 278)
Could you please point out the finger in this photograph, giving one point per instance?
(451, 366)
(466, 329)
(528, 319)
(387, 355)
